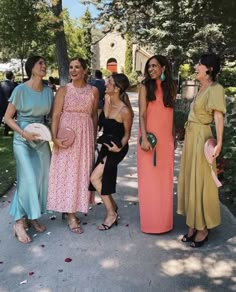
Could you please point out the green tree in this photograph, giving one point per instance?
(128, 55)
(179, 29)
(22, 30)
(86, 22)
(74, 37)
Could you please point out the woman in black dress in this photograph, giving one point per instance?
(116, 120)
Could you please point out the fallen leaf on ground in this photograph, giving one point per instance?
(68, 260)
(31, 273)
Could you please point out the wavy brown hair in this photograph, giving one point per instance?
(122, 82)
(168, 85)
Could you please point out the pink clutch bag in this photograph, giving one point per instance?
(66, 133)
(208, 151)
(40, 129)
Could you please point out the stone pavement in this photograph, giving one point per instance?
(122, 259)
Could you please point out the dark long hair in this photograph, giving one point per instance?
(29, 64)
(168, 85)
(122, 82)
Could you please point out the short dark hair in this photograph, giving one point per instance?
(98, 74)
(212, 62)
(29, 64)
(9, 75)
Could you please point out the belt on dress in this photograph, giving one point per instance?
(39, 119)
(197, 123)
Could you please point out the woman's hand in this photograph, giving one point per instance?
(30, 136)
(59, 143)
(217, 150)
(145, 145)
(113, 148)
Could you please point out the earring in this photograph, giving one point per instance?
(163, 76)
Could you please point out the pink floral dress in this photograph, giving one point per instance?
(71, 168)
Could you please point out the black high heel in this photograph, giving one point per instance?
(196, 244)
(107, 227)
(187, 238)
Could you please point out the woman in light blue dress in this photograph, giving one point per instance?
(31, 101)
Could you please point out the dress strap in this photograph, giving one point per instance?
(119, 112)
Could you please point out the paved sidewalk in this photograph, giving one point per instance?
(121, 259)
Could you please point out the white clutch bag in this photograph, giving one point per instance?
(40, 129)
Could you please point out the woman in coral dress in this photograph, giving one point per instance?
(197, 193)
(75, 106)
(155, 183)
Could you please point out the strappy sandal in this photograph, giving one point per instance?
(187, 238)
(76, 229)
(64, 215)
(104, 227)
(37, 226)
(21, 235)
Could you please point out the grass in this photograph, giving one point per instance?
(7, 162)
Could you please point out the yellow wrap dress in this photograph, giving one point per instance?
(197, 193)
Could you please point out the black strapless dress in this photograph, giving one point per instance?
(111, 128)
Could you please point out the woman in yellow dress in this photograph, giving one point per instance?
(197, 192)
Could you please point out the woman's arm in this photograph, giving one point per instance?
(56, 114)
(95, 111)
(10, 121)
(219, 124)
(143, 117)
(127, 119)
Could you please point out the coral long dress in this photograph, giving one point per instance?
(71, 168)
(155, 183)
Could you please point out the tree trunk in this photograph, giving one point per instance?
(22, 68)
(61, 47)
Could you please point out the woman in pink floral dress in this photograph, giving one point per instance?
(75, 106)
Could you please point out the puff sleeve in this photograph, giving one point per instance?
(216, 99)
(16, 98)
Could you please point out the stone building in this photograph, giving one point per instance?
(109, 53)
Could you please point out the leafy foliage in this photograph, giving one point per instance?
(229, 149)
(180, 29)
(128, 55)
(87, 35)
(22, 28)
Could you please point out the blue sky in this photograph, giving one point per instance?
(76, 9)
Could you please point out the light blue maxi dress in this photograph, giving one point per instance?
(32, 158)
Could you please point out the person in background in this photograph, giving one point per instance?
(3, 105)
(30, 101)
(116, 120)
(198, 198)
(51, 84)
(99, 82)
(155, 180)
(8, 86)
(75, 106)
